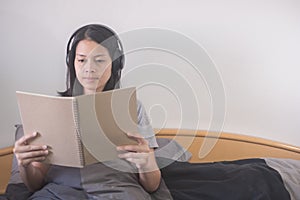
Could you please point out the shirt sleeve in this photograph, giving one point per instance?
(144, 126)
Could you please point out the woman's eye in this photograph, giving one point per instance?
(81, 60)
(100, 61)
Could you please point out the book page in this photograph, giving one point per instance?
(52, 118)
(105, 118)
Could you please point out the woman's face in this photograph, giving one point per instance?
(92, 65)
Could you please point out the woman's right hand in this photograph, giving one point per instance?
(27, 153)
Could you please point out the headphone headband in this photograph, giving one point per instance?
(96, 27)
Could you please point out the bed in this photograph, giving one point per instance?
(229, 163)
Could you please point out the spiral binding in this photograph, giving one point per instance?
(78, 131)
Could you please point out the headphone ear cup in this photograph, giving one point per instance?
(68, 58)
(118, 60)
(121, 59)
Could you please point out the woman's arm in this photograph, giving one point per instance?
(144, 159)
(33, 175)
(29, 159)
(150, 174)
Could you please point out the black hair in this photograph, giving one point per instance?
(107, 38)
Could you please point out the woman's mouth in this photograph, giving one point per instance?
(90, 79)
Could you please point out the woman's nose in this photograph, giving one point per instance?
(89, 67)
(89, 70)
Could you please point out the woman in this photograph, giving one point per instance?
(94, 60)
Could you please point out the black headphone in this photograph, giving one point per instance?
(117, 55)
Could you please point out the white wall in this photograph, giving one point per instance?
(253, 47)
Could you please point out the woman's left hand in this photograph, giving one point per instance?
(141, 155)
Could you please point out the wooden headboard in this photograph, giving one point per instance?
(6, 155)
(228, 146)
(213, 146)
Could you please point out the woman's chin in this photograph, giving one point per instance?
(91, 90)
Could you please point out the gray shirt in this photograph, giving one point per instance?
(144, 126)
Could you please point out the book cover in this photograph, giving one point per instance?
(80, 130)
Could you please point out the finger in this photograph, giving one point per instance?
(136, 160)
(133, 155)
(28, 148)
(33, 154)
(26, 162)
(134, 148)
(24, 140)
(138, 138)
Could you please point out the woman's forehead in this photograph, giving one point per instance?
(90, 47)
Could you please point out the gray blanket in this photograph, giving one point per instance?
(290, 173)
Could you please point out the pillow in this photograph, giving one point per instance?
(170, 149)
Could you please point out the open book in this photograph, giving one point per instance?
(80, 130)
